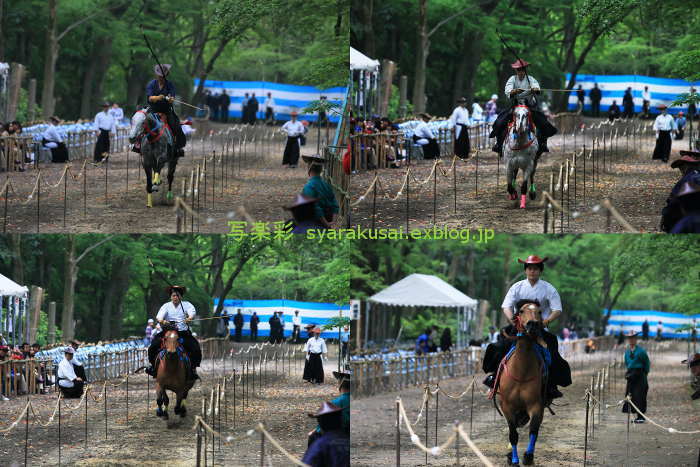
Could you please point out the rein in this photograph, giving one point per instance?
(521, 329)
(153, 135)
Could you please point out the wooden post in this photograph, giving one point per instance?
(403, 86)
(52, 323)
(31, 101)
(16, 76)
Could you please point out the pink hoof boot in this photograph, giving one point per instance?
(522, 201)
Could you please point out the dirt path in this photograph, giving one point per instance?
(253, 178)
(561, 439)
(282, 406)
(637, 187)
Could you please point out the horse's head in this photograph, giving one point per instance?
(137, 123)
(529, 318)
(521, 118)
(170, 340)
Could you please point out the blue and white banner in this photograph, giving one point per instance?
(287, 97)
(310, 312)
(613, 87)
(632, 320)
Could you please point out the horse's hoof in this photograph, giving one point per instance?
(533, 195)
(183, 412)
(510, 459)
(169, 196)
(522, 201)
(529, 459)
(165, 415)
(159, 412)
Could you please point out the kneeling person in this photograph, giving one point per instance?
(71, 385)
(181, 313)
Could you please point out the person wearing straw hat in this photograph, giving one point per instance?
(161, 94)
(460, 120)
(342, 401)
(663, 125)
(689, 166)
(689, 199)
(638, 365)
(181, 313)
(424, 137)
(304, 214)
(104, 125)
(70, 384)
(332, 448)
(314, 349)
(680, 125)
(294, 130)
(547, 298)
(327, 206)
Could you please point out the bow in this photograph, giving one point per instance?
(519, 59)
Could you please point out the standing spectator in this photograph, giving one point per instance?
(344, 338)
(70, 383)
(280, 327)
(117, 113)
(646, 102)
(460, 120)
(680, 125)
(613, 111)
(664, 125)
(638, 365)
(254, 320)
(148, 333)
(422, 345)
(581, 97)
(628, 104)
(52, 139)
(477, 111)
(659, 331)
(224, 103)
(296, 326)
(294, 130)
(238, 324)
(245, 108)
(492, 109)
(620, 337)
(645, 330)
(14, 149)
(209, 102)
(269, 109)
(104, 125)
(314, 349)
(446, 340)
(274, 326)
(5, 383)
(322, 117)
(253, 109)
(216, 106)
(595, 95)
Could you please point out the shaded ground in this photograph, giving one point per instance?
(252, 178)
(561, 440)
(281, 406)
(636, 185)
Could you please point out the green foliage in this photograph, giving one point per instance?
(340, 322)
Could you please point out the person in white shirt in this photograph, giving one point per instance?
(646, 101)
(104, 125)
(663, 125)
(296, 329)
(493, 335)
(543, 294)
(269, 109)
(70, 384)
(294, 130)
(52, 139)
(314, 348)
(460, 120)
(116, 112)
(424, 137)
(181, 313)
(522, 88)
(477, 111)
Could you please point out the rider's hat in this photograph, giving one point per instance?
(105, 104)
(326, 408)
(180, 289)
(533, 259)
(164, 71)
(519, 64)
(686, 159)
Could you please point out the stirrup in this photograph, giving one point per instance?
(490, 380)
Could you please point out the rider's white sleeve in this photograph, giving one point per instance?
(509, 85)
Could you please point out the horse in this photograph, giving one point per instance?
(172, 374)
(157, 147)
(520, 153)
(521, 385)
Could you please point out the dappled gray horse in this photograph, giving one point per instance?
(157, 147)
(519, 152)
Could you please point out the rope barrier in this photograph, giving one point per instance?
(415, 439)
(55, 410)
(669, 429)
(19, 418)
(445, 393)
(473, 447)
(294, 460)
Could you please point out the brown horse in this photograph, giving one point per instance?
(172, 375)
(521, 385)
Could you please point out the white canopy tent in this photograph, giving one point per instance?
(364, 80)
(13, 310)
(360, 61)
(422, 290)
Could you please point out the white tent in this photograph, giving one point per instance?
(14, 324)
(360, 61)
(422, 290)
(11, 288)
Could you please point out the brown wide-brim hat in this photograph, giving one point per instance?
(309, 327)
(341, 375)
(314, 159)
(300, 200)
(162, 72)
(518, 64)
(686, 159)
(631, 334)
(661, 107)
(180, 289)
(533, 259)
(695, 154)
(688, 188)
(326, 408)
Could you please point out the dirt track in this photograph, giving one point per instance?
(148, 440)
(636, 185)
(253, 179)
(561, 437)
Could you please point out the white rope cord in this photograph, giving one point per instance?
(50, 419)
(261, 428)
(362, 198)
(473, 447)
(102, 393)
(415, 439)
(459, 396)
(19, 418)
(226, 439)
(36, 187)
(669, 429)
(79, 402)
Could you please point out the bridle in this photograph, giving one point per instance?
(154, 134)
(531, 127)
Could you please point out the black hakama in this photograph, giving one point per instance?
(662, 150)
(313, 368)
(637, 388)
(102, 145)
(291, 151)
(430, 150)
(59, 153)
(462, 142)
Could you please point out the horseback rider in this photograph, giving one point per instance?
(532, 288)
(161, 93)
(181, 313)
(521, 87)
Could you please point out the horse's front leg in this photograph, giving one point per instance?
(149, 185)
(535, 422)
(172, 165)
(180, 408)
(513, 438)
(511, 173)
(161, 399)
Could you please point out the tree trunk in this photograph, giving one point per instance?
(471, 277)
(223, 42)
(367, 14)
(2, 34)
(51, 46)
(121, 278)
(70, 276)
(105, 57)
(421, 56)
(86, 104)
(15, 243)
